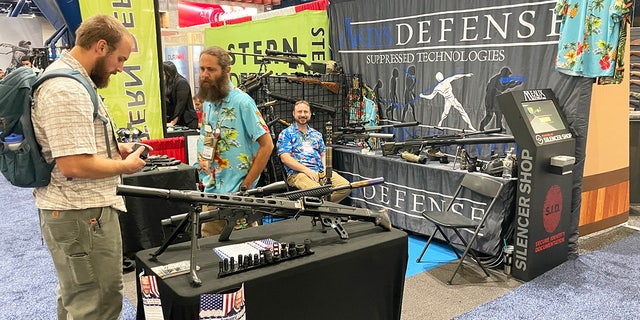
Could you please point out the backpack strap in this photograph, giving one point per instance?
(75, 74)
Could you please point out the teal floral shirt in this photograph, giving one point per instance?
(589, 35)
(238, 124)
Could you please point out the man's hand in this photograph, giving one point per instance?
(312, 175)
(133, 162)
(127, 148)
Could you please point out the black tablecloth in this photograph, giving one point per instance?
(141, 227)
(410, 188)
(358, 278)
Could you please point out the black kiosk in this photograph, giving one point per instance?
(546, 149)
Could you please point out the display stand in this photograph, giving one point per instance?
(546, 150)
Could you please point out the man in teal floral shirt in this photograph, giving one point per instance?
(235, 144)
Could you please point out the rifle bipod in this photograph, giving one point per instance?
(193, 217)
(334, 222)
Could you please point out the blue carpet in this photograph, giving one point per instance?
(437, 254)
(599, 285)
(26, 269)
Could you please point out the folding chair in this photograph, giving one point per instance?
(449, 219)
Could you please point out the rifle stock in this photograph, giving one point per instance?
(329, 85)
(294, 100)
(253, 82)
(234, 206)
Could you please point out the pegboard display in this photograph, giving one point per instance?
(275, 96)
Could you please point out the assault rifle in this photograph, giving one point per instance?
(291, 58)
(253, 82)
(357, 128)
(345, 138)
(300, 202)
(232, 207)
(392, 148)
(294, 100)
(329, 85)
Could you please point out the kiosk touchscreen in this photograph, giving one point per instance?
(546, 150)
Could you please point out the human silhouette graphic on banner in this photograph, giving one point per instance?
(497, 85)
(409, 93)
(443, 87)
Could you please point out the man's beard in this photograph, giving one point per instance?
(215, 91)
(302, 122)
(99, 73)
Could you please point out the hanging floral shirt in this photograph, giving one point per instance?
(589, 34)
(239, 124)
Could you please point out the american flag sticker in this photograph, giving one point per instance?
(224, 306)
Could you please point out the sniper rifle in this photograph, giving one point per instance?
(294, 100)
(362, 129)
(329, 214)
(232, 207)
(392, 148)
(291, 58)
(329, 85)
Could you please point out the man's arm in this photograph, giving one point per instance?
(260, 161)
(460, 75)
(292, 163)
(90, 166)
(431, 95)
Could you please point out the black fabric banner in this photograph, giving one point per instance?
(459, 55)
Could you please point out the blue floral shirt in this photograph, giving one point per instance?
(240, 125)
(589, 35)
(305, 148)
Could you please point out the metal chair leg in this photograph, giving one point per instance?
(424, 249)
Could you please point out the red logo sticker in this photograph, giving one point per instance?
(552, 209)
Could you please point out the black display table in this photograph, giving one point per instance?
(358, 278)
(410, 188)
(141, 224)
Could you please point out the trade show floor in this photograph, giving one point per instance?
(427, 296)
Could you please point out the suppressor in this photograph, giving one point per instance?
(413, 158)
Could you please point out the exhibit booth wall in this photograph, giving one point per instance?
(605, 188)
(412, 49)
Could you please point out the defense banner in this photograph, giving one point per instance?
(307, 32)
(133, 96)
(443, 63)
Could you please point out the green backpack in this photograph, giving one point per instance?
(21, 160)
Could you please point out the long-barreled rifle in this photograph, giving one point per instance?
(234, 206)
(392, 148)
(357, 128)
(291, 58)
(348, 138)
(320, 106)
(329, 85)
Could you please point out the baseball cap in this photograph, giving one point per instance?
(23, 42)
